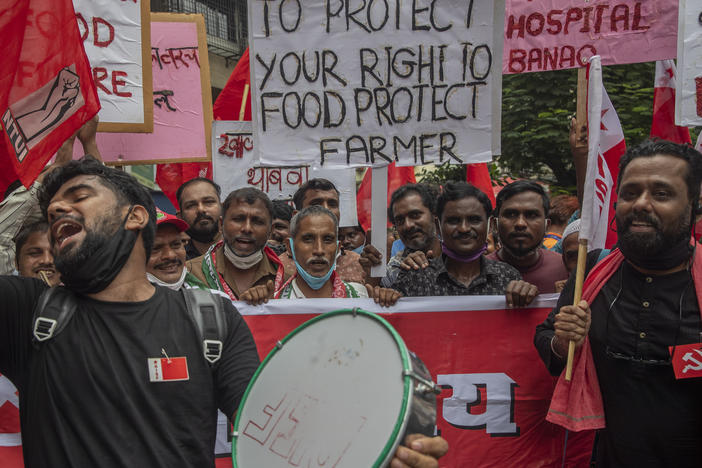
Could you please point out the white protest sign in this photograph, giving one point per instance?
(234, 165)
(355, 83)
(116, 37)
(688, 93)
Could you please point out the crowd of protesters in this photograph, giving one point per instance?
(122, 265)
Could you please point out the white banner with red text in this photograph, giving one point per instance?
(496, 390)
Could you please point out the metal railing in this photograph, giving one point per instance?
(225, 20)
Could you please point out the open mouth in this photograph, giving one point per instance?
(63, 231)
(49, 272)
(169, 267)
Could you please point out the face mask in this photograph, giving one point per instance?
(243, 263)
(358, 250)
(462, 258)
(314, 282)
(174, 286)
(96, 270)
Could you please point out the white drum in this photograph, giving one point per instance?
(341, 390)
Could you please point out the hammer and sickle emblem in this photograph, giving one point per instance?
(689, 357)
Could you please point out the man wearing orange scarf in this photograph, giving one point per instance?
(639, 304)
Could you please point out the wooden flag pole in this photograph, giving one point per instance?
(244, 99)
(578, 294)
(581, 118)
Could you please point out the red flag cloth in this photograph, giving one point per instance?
(479, 175)
(46, 88)
(10, 440)
(663, 125)
(577, 405)
(397, 177)
(228, 103)
(171, 176)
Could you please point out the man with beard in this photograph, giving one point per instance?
(322, 192)
(130, 359)
(34, 258)
(644, 301)
(411, 210)
(200, 207)
(462, 269)
(242, 260)
(520, 217)
(280, 229)
(166, 265)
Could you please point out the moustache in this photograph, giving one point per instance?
(520, 235)
(317, 259)
(202, 216)
(169, 263)
(464, 235)
(412, 231)
(640, 218)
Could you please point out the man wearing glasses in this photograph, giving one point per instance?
(647, 305)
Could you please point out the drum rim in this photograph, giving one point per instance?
(401, 423)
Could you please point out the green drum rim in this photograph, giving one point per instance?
(385, 454)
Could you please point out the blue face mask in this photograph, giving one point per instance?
(314, 282)
(359, 249)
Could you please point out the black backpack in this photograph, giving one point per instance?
(56, 307)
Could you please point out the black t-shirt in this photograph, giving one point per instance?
(86, 399)
(653, 420)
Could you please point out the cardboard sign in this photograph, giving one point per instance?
(688, 92)
(543, 35)
(116, 37)
(182, 101)
(340, 85)
(235, 165)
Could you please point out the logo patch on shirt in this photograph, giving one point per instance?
(168, 369)
(687, 360)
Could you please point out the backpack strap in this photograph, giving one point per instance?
(52, 313)
(206, 310)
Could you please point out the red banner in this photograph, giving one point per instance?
(496, 389)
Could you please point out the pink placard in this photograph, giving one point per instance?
(182, 112)
(542, 35)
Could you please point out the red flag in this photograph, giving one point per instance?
(46, 88)
(397, 177)
(479, 175)
(607, 145)
(171, 176)
(663, 125)
(228, 105)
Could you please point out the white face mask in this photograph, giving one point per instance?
(174, 286)
(243, 263)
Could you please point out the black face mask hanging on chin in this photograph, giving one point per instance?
(104, 260)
